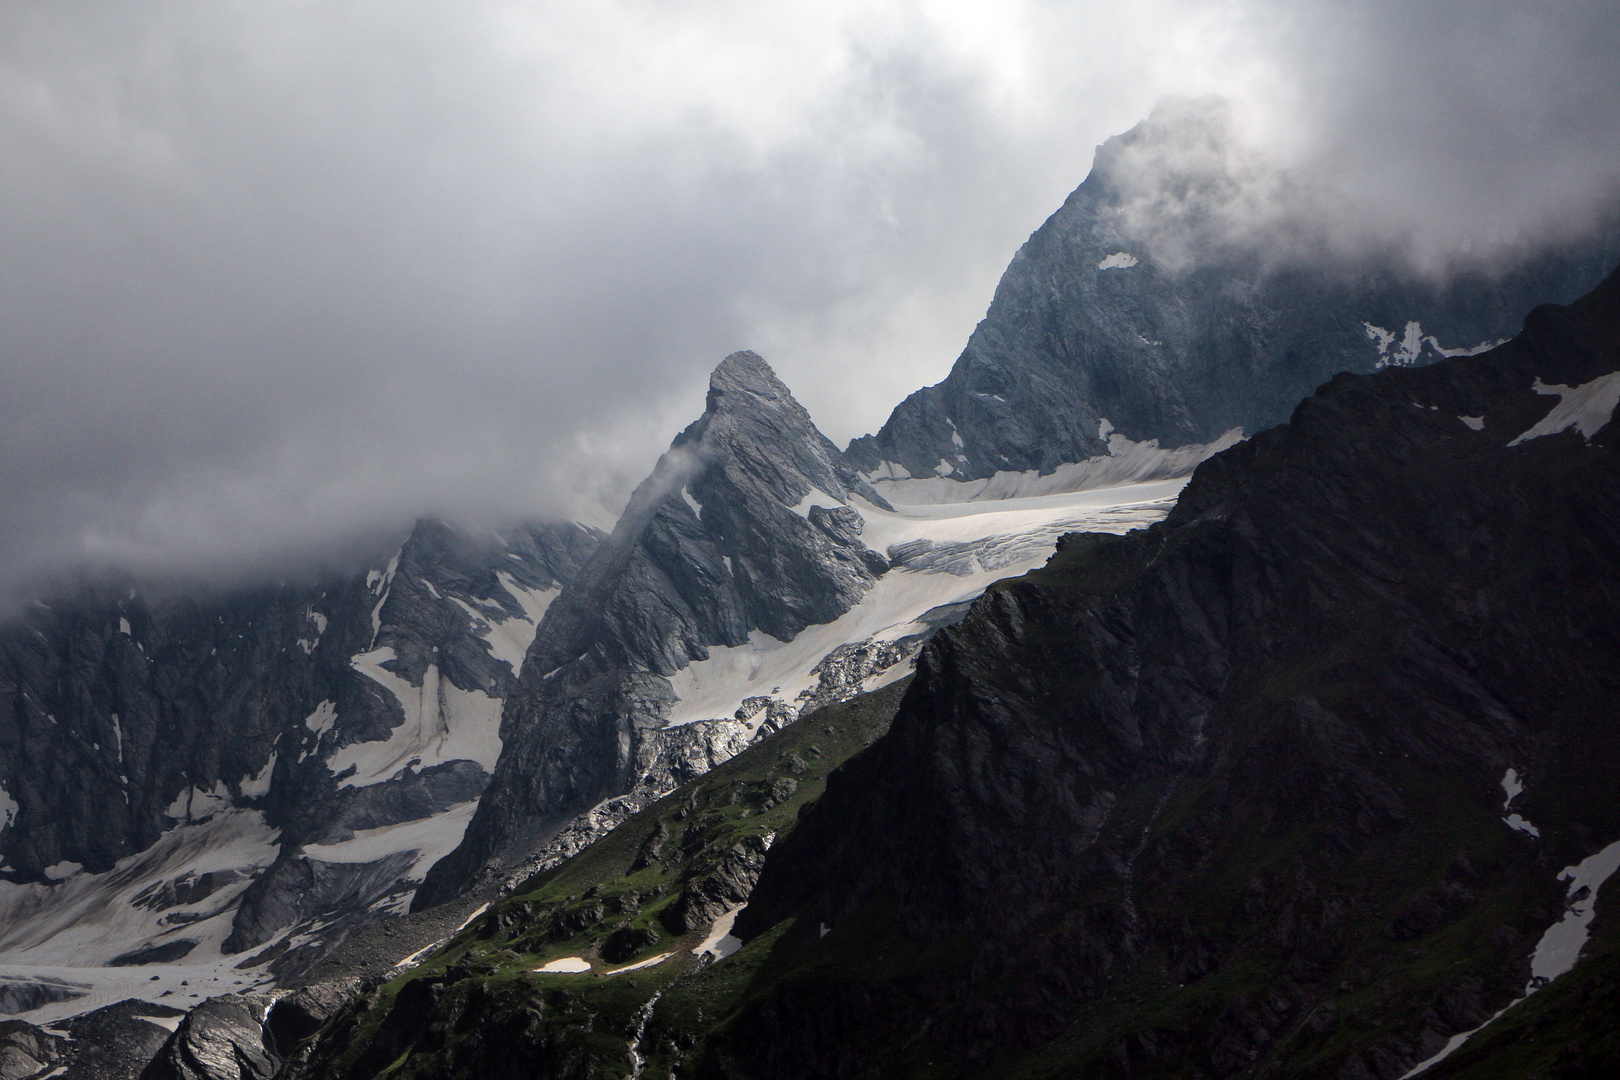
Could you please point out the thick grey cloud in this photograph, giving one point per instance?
(274, 276)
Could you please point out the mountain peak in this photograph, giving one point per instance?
(744, 376)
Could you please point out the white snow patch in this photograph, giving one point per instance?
(956, 436)
(432, 838)
(1587, 407)
(509, 638)
(1484, 346)
(1381, 337)
(479, 910)
(720, 943)
(568, 965)
(1512, 787)
(380, 586)
(649, 962)
(1127, 462)
(1475, 422)
(8, 808)
(195, 803)
(1119, 260)
(69, 930)
(321, 720)
(1514, 821)
(63, 870)
(123, 626)
(697, 507)
(816, 497)
(254, 787)
(167, 1023)
(944, 468)
(1407, 352)
(442, 723)
(1561, 945)
(888, 470)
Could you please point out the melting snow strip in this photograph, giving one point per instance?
(568, 965)
(650, 962)
(720, 943)
(1561, 945)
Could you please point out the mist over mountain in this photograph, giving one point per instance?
(274, 280)
(1205, 674)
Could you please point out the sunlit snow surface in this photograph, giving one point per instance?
(721, 943)
(1587, 407)
(969, 545)
(568, 965)
(70, 929)
(432, 838)
(442, 723)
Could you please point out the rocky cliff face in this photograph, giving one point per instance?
(1279, 787)
(179, 772)
(744, 527)
(1147, 301)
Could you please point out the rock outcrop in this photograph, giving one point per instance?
(224, 1038)
(729, 536)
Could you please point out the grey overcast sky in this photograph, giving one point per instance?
(275, 275)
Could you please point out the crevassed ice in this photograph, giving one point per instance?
(1005, 538)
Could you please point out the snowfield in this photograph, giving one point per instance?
(950, 552)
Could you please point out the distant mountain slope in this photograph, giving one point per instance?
(184, 776)
(1279, 787)
(1131, 305)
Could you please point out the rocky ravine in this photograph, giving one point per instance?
(1147, 306)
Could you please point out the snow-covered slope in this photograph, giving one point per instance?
(944, 554)
(204, 795)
